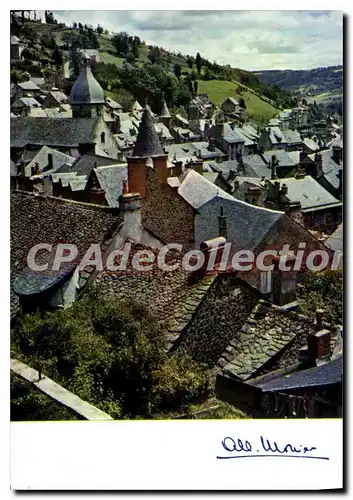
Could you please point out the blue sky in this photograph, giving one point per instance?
(251, 40)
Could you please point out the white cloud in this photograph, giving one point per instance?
(245, 39)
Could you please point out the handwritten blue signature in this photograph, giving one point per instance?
(237, 448)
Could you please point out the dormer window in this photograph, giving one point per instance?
(103, 137)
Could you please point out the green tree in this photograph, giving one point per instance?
(99, 29)
(74, 25)
(57, 57)
(198, 62)
(112, 354)
(189, 62)
(177, 70)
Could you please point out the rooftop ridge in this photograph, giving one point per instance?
(67, 200)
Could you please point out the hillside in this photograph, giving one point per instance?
(262, 101)
(323, 82)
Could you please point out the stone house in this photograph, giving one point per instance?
(227, 139)
(319, 209)
(16, 47)
(73, 136)
(36, 219)
(230, 106)
(22, 89)
(54, 99)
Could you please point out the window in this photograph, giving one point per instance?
(103, 137)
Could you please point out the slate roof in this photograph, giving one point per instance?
(283, 158)
(113, 104)
(59, 159)
(257, 165)
(84, 164)
(52, 132)
(263, 336)
(111, 179)
(327, 374)
(29, 85)
(30, 102)
(292, 137)
(231, 135)
(163, 131)
(38, 80)
(168, 294)
(147, 143)
(60, 97)
(335, 240)
(201, 150)
(197, 190)
(86, 89)
(37, 219)
(232, 100)
(247, 224)
(309, 193)
(311, 144)
(329, 167)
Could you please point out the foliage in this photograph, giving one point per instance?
(198, 63)
(57, 57)
(106, 74)
(221, 410)
(110, 353)
(99, 29)
(323, 291)
(177, 70)
(28, 403)
(49, 17)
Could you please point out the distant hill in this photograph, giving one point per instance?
(313, 81)
(263, 101)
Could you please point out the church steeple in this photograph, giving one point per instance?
(165, 116)
(87, 96)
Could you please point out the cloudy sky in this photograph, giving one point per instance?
(251, 40)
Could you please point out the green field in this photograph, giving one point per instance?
(218, 90)
(109, 59)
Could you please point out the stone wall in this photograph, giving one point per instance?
(166, 214)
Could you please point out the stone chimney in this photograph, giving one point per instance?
(318, 165)
(273, 167)
(87, 148)
(50, 161)
(340, 186)
(319, 346)
(130, 206)
(284, 283)
(211, 145)
(284, 189)
(196, 165)
(253, 195)
(337, 154)
(213, 251)
(177, 169)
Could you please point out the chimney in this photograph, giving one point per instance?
(50, 161)
(318, 165)
(130, 206)
(211, 144)
(319, 346)
(319, 319)
(161, 168)
(87, 148)
(125, 188)
(339, 175)
(196, 165)
(96, 195)
(273, 167)
(337, 154)
(177, 169)
(206, 129)
(284, 189)
(284, 283)
(253, 195)
(137, 173)
(212, 251)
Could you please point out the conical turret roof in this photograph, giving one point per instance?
(86, 89)
(147, 142)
